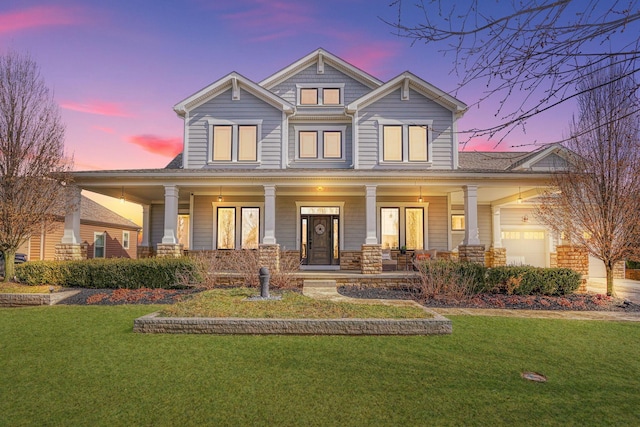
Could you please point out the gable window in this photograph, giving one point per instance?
(99, 240)
(405, 142)
(125, 239)
(320, 94)
(320, 142)
(234, 141)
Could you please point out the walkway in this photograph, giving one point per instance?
(326, 290)
(624, 288)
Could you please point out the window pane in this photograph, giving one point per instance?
(418, 143)
(226, 228)
(390, 227)
(331, 96)
(414, 223)
(309, 96)
(392, 144)
(457, 222)
(250, 228)
(247, 143)
(125, 240)
(222, 143)
(332, 144)
(98, 245)
(336, 240)
(320, 210)
(304, 238)
(308, 145)
(183, 231)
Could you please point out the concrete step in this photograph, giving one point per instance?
(319, 283)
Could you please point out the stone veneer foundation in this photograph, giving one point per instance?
(69, 252)
(471, 253)
(371, 261)
(169, 250)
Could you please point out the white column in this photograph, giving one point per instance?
(471, 232)
(170, 215)
(497, 229)
(370, 217)
(72, 216)
(145, 225)
(269, 215)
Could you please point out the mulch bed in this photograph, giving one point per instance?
(575, 302)
(128, 296)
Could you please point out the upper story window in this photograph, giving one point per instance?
(233, 142)
(314, 94)
(320, 142)
(405, 142)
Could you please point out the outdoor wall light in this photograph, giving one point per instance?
(519, 201)
(220, 194)
(420, 198)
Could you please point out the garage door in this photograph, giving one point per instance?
(526, 247)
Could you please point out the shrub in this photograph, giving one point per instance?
(112, 273)
(527, 280)
(450, 280)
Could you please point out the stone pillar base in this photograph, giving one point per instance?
(371, 261)
(144, 252)
(575, 258)
(471, 253)
(496, 257)
(69, 252)
(618, 270)
(269, 256)
(169, 250)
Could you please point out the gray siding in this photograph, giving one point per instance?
(347, 155)
(352, 88)
(156, 225)
(418, 107)
(513, 216)
(552, 161)
(202, 223)
(247, 108)
(438, 223)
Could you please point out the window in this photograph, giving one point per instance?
(414, 228)
(534, 235)
(308, 145)
(320, 142)
(319, 95)
(125, 239)
(99, 245)
(508, 235)
(457, 222)
(183, 230)
(250, 227)
(222, 143)
(390, 228)
(400, 142)
(234, 142)
(226, 228)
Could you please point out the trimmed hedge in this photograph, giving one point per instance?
(112, 273)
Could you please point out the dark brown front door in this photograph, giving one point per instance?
(320, 247)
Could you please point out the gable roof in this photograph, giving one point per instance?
(536, 156)
(406, 81)
(235, 82)
(489, 160)
(321, 57)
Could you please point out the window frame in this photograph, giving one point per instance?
(242, 226)
(320, 145)
(126, 241)
(464, 222)
(102, 234)
(403, 206)
(237, 206)
(235, 140)
(406, 126)
(320, 88)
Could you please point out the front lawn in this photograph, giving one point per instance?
(70, 365)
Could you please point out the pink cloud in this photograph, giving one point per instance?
(37, 16)
(371, 57)
(481, 144)
(97, 107)
(169, 147)
(104, 129)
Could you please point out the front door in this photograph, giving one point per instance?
(319, 240)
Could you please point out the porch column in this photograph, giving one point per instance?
(497, 255)
(144, 251)
(171, 193)
(269, 215)
(370, 216)
(70, 247)
(471, 232)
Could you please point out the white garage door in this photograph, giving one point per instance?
(526, 247)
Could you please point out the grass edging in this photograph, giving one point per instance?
(23, 300)
(151, 323)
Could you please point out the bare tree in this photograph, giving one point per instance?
(530, 54)
(32, 162)
(597, 203)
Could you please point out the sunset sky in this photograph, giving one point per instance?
(117, 67)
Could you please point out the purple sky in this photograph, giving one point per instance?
(117, 67)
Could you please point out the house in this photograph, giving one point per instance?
(102, 234)
(324, 162)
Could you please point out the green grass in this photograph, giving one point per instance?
(17, 288)
(234, 303)
(83, 366)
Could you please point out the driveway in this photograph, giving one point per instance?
(624, 288)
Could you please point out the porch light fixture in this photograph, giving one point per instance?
(122, 196)
(519, 201)
(220, 194)
(420, 198)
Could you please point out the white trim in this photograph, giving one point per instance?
(238, 215)
(191, 206)
(455, 147)
(402, 206)
(104, 242)
(320, 129)
(405, 141)
(234, 140)
(185, 144)
(328, 204)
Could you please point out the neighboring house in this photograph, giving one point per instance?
(103, 234)
(328, 162)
